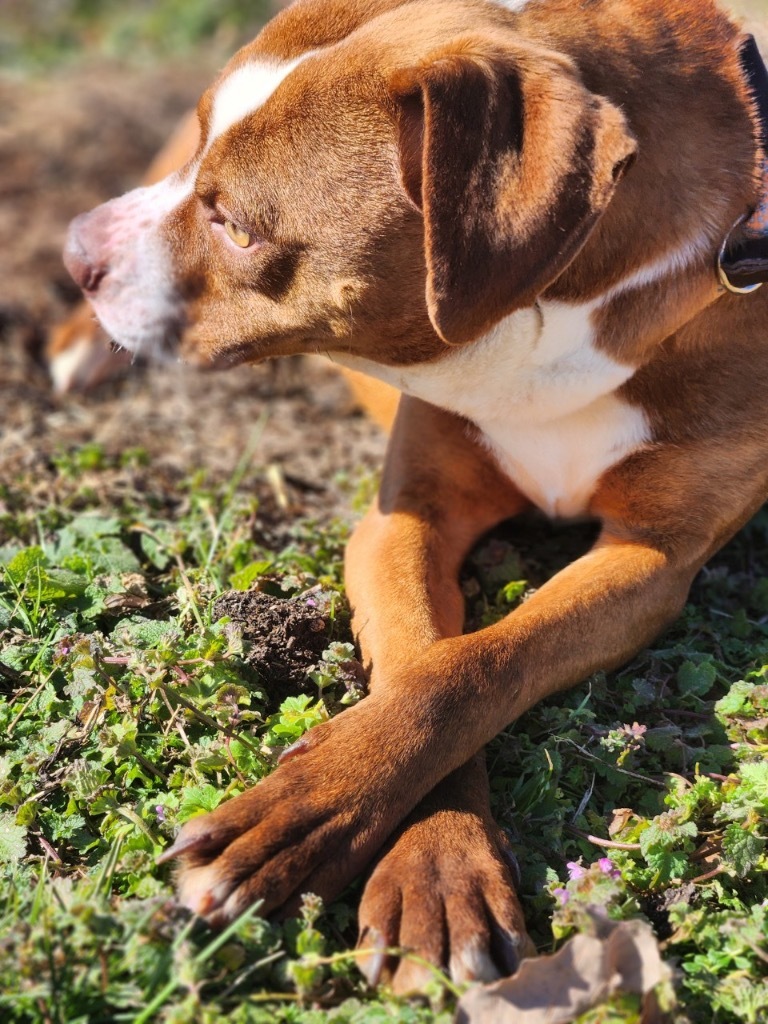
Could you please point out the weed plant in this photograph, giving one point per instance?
(125, 710)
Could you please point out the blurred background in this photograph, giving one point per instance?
(40, 34)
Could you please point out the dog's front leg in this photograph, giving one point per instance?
(443, 887)
(441, 491)
(321, 817)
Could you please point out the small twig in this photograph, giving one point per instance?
(54, 856)
(707, 849)
(151, 768)
(613, 767)
(274, 997)
(609, 844)
(175, 720)
(15, 721)
(758, 952)
(39, 795)
(276, 481)
(719, 870)
(698, 716)
(250, 970)
(585, 799)
(232, 761)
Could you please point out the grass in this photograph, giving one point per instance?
(126, 709)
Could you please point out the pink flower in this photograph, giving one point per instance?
(607, 866)
(574, 870)
(562, 894)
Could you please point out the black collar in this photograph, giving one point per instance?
(743, 259)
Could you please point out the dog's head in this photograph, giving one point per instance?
(405, 188)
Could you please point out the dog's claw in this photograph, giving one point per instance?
(299, 747)
(510, 858)
(371, 964)
(185, 844)
(511, 948)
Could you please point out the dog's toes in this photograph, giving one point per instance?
(469, 925)
(265, 863)
(472, 961)
(196, 891)
(448, 906)
(379, 923)
(79, 353)
(287, 836)
(423, 934)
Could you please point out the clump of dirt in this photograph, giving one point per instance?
(285, 637)
(656, 906)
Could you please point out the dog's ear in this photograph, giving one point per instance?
(511, 161)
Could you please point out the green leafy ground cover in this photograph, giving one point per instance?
(126, 709)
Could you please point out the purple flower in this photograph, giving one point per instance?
(561, 894)
(607, 866)
(160, 812)
(574, 870)
(311, 602)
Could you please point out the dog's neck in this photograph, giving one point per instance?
(545, 388)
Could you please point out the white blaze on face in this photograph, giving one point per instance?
(513, 5)
(245, 90)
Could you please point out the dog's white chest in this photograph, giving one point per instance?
(557, 464)
(543, 398)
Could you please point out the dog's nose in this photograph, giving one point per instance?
(81, 257)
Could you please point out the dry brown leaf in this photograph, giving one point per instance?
(621, 818)
(587, 971)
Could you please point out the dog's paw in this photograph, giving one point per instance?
(444, 892)
(79, 353)
(311, 826)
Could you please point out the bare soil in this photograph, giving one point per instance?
(67, 143)
(286, 636)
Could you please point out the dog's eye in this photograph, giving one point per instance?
(238, 235)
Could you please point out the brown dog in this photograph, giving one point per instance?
(530, 218)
